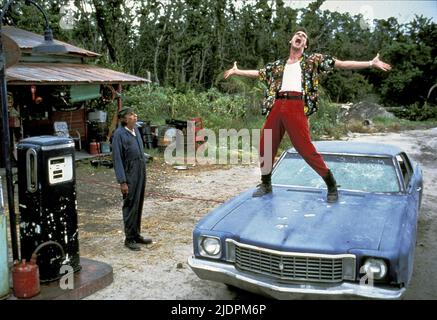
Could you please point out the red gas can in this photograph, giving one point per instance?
(94, 147)
(25, 278)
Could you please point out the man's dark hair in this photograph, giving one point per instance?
(122, 113)
(303, 29)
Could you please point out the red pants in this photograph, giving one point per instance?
(288, 115)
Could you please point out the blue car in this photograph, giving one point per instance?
(292, 242)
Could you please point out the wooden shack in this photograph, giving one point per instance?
(44, 89)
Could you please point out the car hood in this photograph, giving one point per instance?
(302, 221)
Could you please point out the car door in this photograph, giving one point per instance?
(413, 186)
(413, 179)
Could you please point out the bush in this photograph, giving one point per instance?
(416, 112)
(325, 121)
(221, 110)
(218, 110)
(347, 85)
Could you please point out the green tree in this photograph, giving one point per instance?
(187, 44)
(414, 64)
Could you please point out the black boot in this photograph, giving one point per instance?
(332, 187)
(265, 187)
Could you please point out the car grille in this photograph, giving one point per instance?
(291, 267)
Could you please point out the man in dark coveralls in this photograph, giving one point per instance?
(130, 171)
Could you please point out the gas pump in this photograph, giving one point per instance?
(47, 204)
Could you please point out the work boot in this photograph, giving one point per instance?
(132, 245)
(264, 187)
(142, 240)
(332, 187)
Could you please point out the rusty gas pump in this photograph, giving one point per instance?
(47, 202)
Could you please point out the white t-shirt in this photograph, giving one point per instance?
(132, 132)
(292, 77)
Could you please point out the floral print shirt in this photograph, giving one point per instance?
(312, 66)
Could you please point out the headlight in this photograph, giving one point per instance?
(376, 267)
(210, 247)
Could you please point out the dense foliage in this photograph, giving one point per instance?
(186, 44)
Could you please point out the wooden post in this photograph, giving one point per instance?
(114, 121)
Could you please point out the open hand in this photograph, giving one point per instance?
(231, 71)
(380, 64)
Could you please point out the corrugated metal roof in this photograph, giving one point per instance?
(64, 73)
(26, 40)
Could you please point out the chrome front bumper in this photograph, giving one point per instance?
(226, 273)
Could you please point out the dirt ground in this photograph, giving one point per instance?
(177, 199)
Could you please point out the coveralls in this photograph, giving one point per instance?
(130, 167)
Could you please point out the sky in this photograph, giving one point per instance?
(402, 10)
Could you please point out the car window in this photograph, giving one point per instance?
(406, 168)
(362, 173)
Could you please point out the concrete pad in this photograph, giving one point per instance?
(93, 276)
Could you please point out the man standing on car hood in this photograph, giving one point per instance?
(292, 96)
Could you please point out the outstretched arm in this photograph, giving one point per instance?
(237, 72)
(375, 63)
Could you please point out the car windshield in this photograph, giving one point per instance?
(362, 173)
